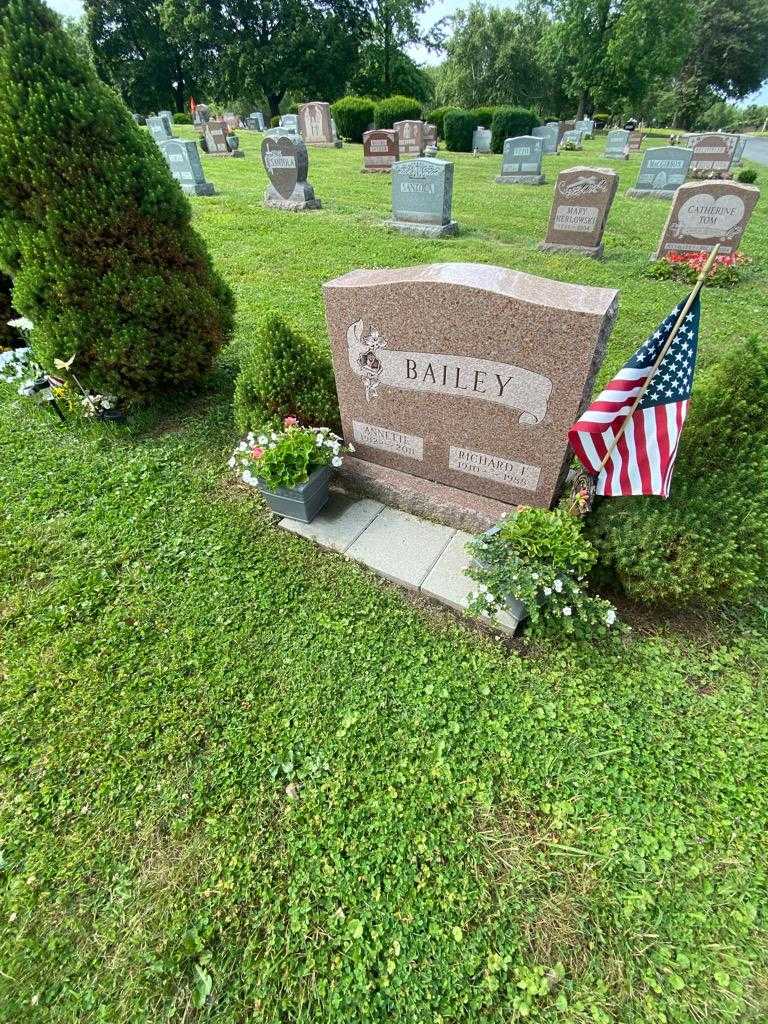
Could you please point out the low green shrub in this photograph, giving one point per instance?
(395, 108)
(748, 176)
(283, 374)
(180, 117)
(509, 122)
(353, 116)
(708, 542)
(459, 125)
(437, 118)
(274, 122)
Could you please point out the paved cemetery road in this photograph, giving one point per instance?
(757, 150)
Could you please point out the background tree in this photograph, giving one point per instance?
(93, 230)
(406, 77)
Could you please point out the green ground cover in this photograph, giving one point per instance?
(244, 773)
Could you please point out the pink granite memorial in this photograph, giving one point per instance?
(381, 150)
(582, 200)
(705, 213)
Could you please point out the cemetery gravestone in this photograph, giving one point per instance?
(167, 116)
(158, 129)
(184, 162)
(231, 120)
(255, 121)
(219, 141)
(478, 390)
(421, 197)
(481, 140)
(278, 132)
(286, 162)
(585, 126)
(663, 170)
(572, 138)
(429, 134)
(617, 145)
(705, 213)
(738, 155)
(583, 197)
(635, 141)
(521, 161)
(289, 121)
(380, 150)
(549, 135)
(712, 153)
(410, 136)
(316, 126)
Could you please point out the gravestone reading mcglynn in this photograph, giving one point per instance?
(521, 161)
(410, 136)
(571, 138)
(549, 135)
(663, 170)
(219, 141)
(583, 197)
(184, 162)
(712, 153)
(158, 129)
(617, 145)
(315, 125)
(705, 213)
(421, 197)
(286, 162)
(481, 140)
(477, 391)
(380, 150)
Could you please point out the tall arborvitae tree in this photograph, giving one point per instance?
(93, 229)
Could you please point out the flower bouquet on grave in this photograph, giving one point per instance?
(291, 467)
(726, 271)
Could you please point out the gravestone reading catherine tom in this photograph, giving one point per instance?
(380, 150)
(617, 145)
(707, 212)
(478, 390)
(663, 170)
(712, 153)
(316, 126)
(411, 137)
(286, 162)
(549, 134)
(521, 161)
(582, 200)
(422, 191)
(184, 162)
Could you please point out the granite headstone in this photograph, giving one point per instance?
(477, 391)
(380, 150)
(167, 116)
(705, 213)
(481, 139)
(184, 161)
(255, 121)
(219, 141)
(582, 200)
(286, 162)
(429, 134)
(549, 135)
(712, 154)
(636, 141)
(315, 125)
(521, 161)
(571, 138)
(663, 170)
(421, 197)
(411, 137)
(617, 145)
(158, 129)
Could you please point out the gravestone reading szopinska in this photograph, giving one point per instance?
(572, 138)
(421, 197)
(617, 145)
(287, 164)
(315, 125)
(380, 150)
(219, 141)
(158, 129)
(410, 137)
(707, 212)
(712, 153)
(583, 197)
(481, 139)
(478, 390)
(521, 161)
(635, 141)
(184, 162)
(663, 170)
(549, 134)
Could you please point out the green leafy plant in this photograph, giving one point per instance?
(286, 457)
(274, 122)
(396, 108)
(708, 542)
(282, 374)
(93, 229)
(353, 116)
(541, 559)
(459, 125)
(437, 118)
(748, 176)
(483, 115)
(509, 122)
(181, 117)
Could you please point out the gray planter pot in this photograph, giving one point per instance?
(302, 502)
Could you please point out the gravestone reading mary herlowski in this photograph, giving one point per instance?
(286, 162)
(583, 197)
(421, 197)
(478, 388)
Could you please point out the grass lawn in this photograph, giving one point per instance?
(233, 762)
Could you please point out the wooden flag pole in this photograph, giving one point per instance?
(700, 281)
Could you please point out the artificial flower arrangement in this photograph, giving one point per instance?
(540, 559)
(686, 266)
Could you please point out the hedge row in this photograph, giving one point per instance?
(396, 108)
(353, 116)
(504, 122)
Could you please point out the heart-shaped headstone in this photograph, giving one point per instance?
(285, 161)
(703, 216)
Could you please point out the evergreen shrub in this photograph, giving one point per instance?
(748, 175)
(93, 229)
(283, 374)
(353, 116)
(182, 118)
(509, 122)
(708, 542)
(437, 118)
(459, 125)
(483, 116)
(395, 108)
(274, 122)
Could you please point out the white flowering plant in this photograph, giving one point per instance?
(287, 457)
(540, 558)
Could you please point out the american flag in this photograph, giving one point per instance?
(643, 459)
